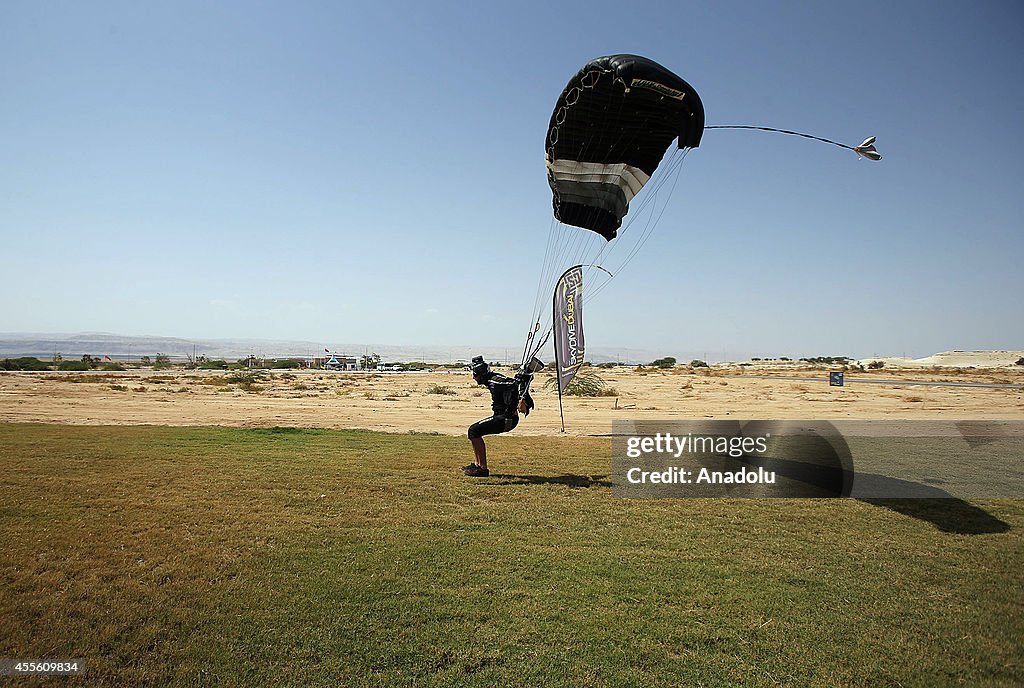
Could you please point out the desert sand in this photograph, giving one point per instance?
(448, 401)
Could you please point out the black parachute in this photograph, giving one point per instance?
(608, 133)
(609, 137)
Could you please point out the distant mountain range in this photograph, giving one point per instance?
(120, 347)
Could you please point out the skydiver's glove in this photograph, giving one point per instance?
(526, 403)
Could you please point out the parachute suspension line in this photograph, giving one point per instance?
(560, 247)
(580, 246)
(585, 245)
(538, 299)
(650, 202)
(571, 245)
(550, 328)
(864, 150)
(674, 172)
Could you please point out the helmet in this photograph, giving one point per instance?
(479, 367)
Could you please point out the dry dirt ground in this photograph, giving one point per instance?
(448, 401)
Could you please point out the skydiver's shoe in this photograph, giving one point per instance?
(474, 471)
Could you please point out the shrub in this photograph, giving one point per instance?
(584, 385)
(246, 381)
(667, 362)
(876, 365)
(828, 360)
(698, 364)
(1020, 361)
(442, 389)
(23, 363)
(73, 365)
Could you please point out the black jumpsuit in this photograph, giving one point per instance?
(503, 390)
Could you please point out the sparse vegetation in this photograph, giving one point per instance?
(1020, 361)
(584, 385)
(247, 381)
(876, 365)
(442, 389)
(23, 363)
(244, 378)
(828, 360)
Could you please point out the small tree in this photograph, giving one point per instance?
(667, 362)
(698, 364)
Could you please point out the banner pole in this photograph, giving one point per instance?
(558, 364)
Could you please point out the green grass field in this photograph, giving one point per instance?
(195, 556)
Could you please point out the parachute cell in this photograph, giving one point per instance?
(608, 133)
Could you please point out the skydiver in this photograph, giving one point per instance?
(509, 398)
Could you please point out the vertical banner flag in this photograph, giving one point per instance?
(567, 322)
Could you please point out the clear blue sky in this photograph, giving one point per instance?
(350, 172)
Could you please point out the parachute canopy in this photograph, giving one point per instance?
(608, 133)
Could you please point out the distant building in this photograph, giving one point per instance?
(336, 363)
